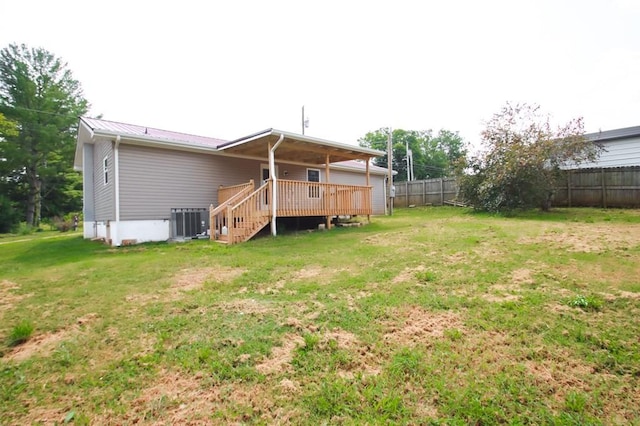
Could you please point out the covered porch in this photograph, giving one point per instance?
(244, 209)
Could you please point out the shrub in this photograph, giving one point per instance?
(62, 225)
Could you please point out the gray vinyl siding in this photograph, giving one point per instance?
(616, 153)
(104, 195)
(153, 181)
(88, 211)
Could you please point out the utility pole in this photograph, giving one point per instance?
(305, 122)
(390, 194)
(408, 165)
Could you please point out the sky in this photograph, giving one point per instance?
(228, 69)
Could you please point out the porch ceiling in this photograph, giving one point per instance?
(297, 148)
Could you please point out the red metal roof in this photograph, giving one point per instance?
(114, 127)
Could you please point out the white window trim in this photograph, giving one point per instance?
(266, 166)
(314, 193)
(316, 170)
(105, 170)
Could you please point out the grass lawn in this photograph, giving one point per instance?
(432, 316)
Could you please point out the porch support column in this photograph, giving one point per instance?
(326, 173)
(274, 184)
(370, 201)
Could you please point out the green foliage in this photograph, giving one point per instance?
(407, 363)
(520, 164)
(20, 333)
(433, 156)
(40, 96)
(9, 217)
(425, 276)
(587, 303)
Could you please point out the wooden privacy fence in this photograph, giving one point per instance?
(601, 187)
(610, 187)
(424, 192)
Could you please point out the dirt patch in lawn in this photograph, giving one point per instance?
(419, 326)
(8, 298)
(281, 356)
(408, 274)
(191, 399)
(361, 357)
(44, 344)
(194, 278)
(188, 280)
(590, 238)
(245, 307)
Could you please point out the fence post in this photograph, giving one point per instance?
(442, 191)
(604, 190)
(406, 194)
(568, 188)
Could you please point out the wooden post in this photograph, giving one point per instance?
(368, 184)
(604, 190)
(568, 188)
(326, 172)
(230, 225)
(442, 191)
(424, 192)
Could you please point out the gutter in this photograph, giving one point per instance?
(274, 183)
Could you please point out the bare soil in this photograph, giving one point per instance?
(418, 326)
(587, 238)
(44, 344)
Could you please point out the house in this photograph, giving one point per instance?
(612, 180)
(621, 148)
(144, 184)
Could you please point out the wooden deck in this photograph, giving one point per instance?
(243, 212)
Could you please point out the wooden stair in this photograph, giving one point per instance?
(238, 220)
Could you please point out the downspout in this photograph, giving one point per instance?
(274, 185)
(116, 182)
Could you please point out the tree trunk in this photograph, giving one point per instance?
(34, 198)
(545, 206)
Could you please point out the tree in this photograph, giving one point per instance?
(40, 95)
(432, 156)
(522, 158)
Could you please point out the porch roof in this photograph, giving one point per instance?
(297, 148)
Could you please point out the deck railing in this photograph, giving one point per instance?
(242, 215)
(226, 192)
(299, 198)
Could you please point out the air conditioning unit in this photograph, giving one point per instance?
(189, 222)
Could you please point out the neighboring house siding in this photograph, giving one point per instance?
(616, 153)
(104, 195)
(153, 181)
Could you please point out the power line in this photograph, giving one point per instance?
(43, 112)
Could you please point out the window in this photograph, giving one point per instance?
(313, 175)
(105, 169)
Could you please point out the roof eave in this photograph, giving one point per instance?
(369, 153)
